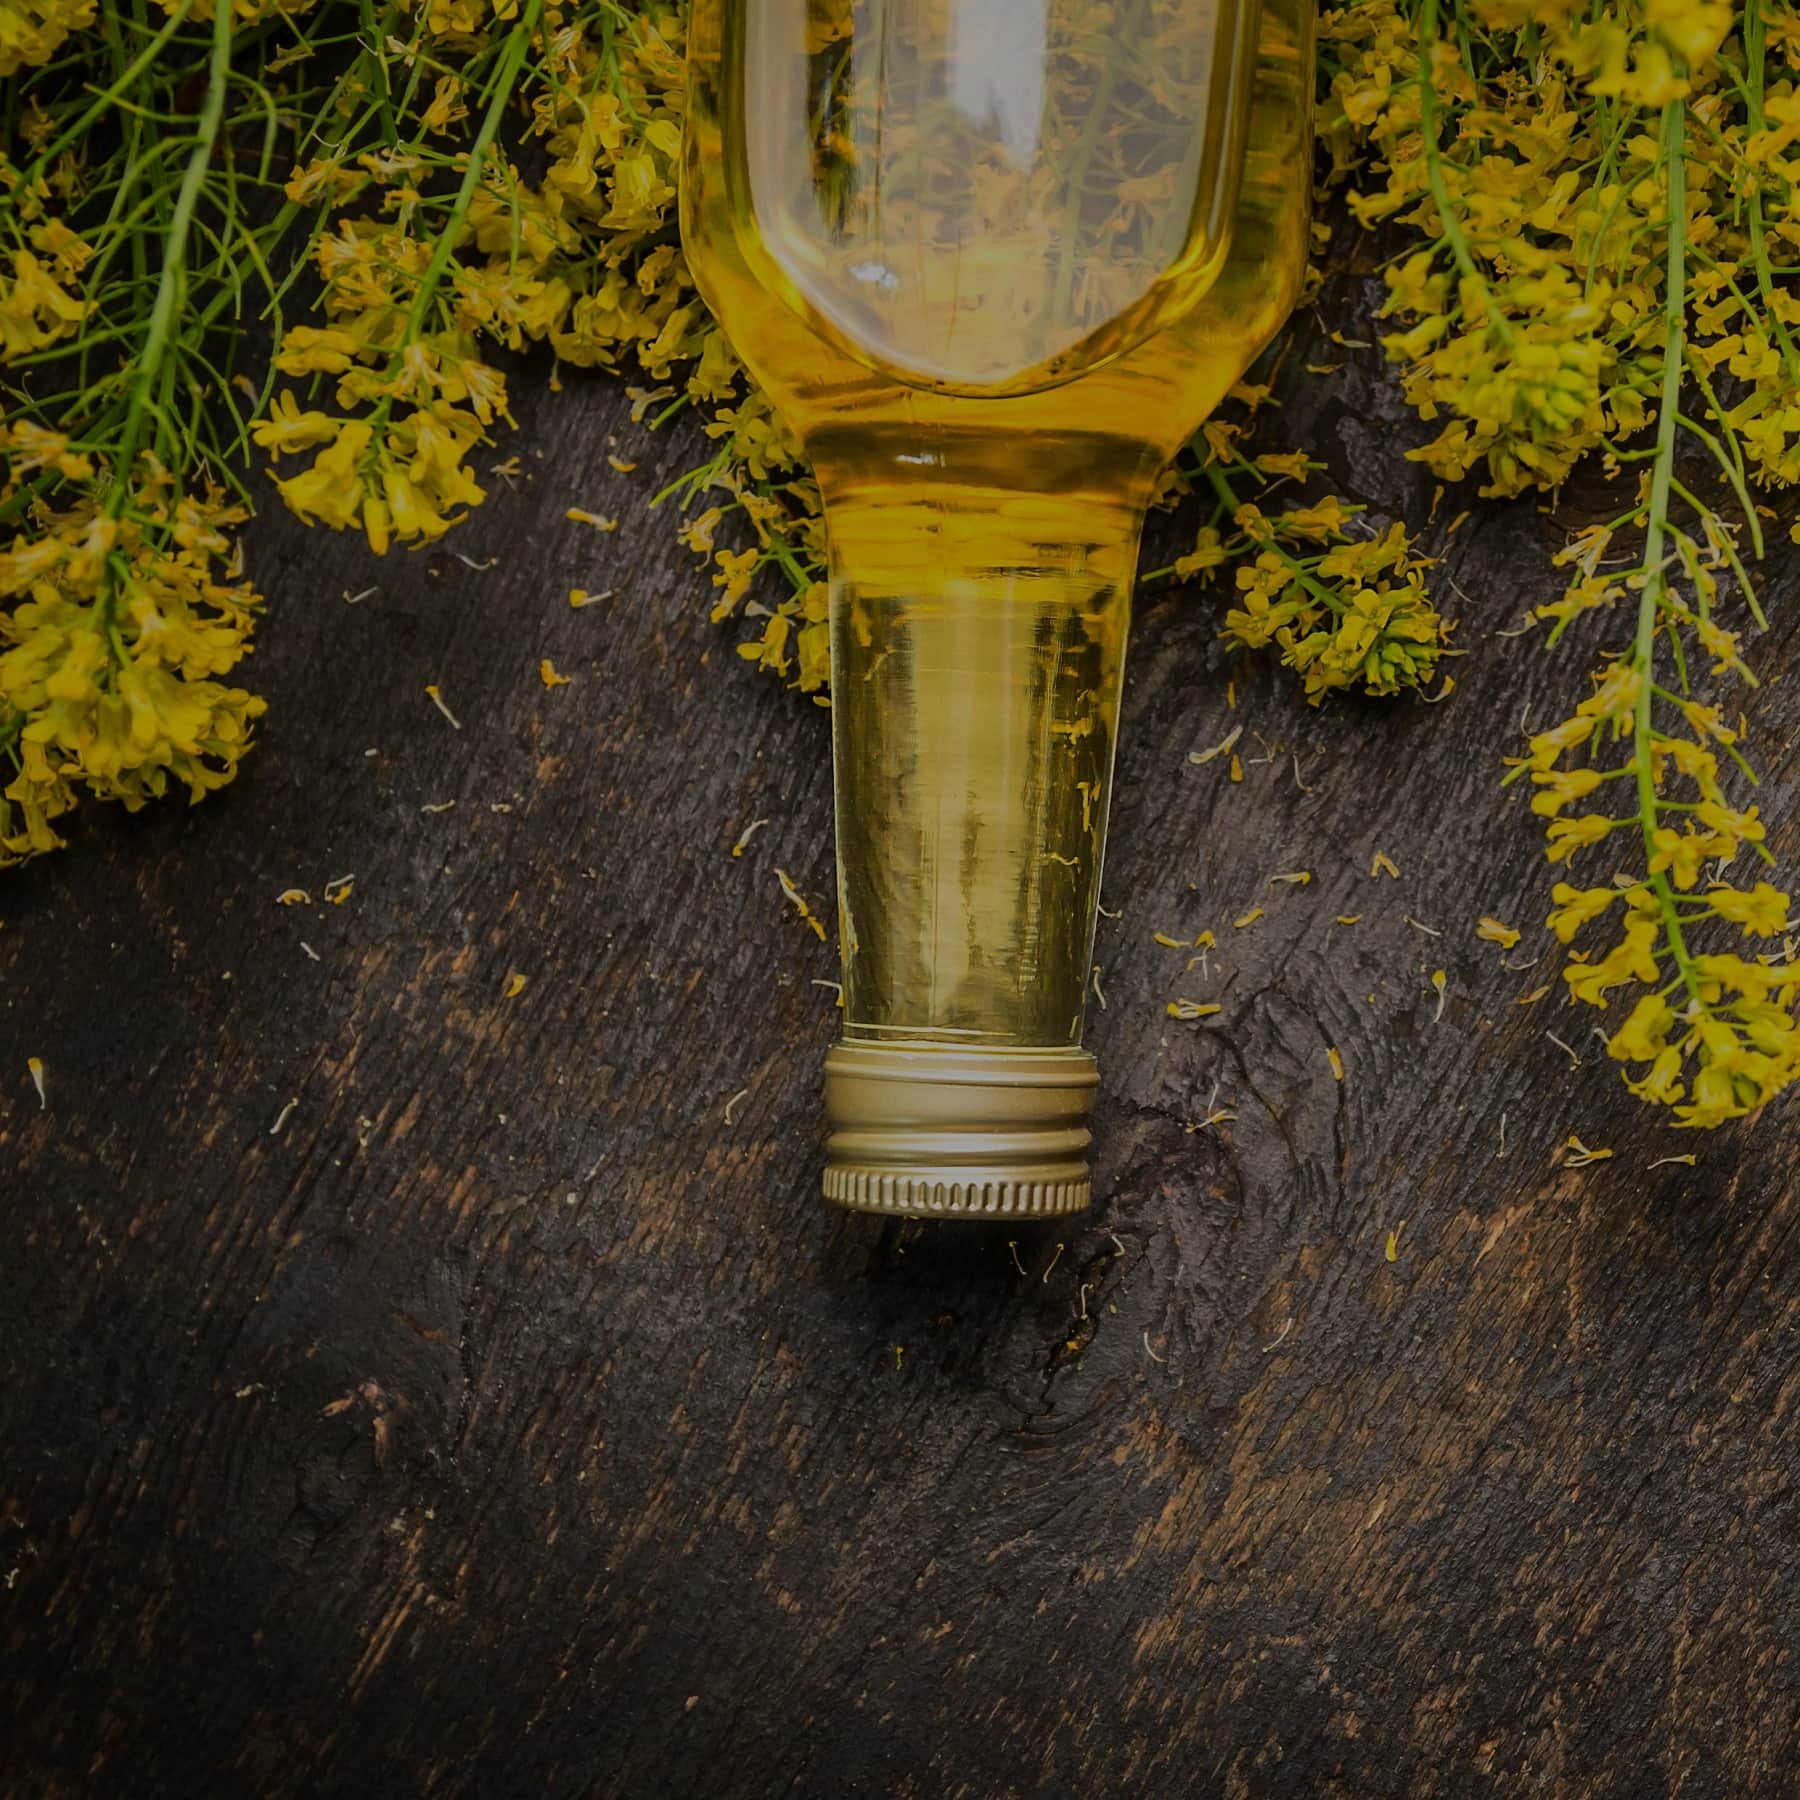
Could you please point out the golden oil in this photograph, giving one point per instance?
(994, 260)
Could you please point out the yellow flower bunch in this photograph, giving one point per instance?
(1715, 1030)
(1608, 210)
(417, 282)
(1343, 603)
(121, 600)
(120, 605)
(109, 654)
(400, 469)
(1352, 615)
(1531, 364)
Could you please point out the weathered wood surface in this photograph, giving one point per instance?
(503, 1421)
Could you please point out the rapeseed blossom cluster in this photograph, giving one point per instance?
(122, 601)
(1602, 209)
(1343, 603)
(418, 292)
(422, 283)
(117, 630)
(1346, 608)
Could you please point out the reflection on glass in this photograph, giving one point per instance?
(967, 191)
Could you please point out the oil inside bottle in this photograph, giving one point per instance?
(991, 194)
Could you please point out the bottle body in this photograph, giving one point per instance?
(985, 475)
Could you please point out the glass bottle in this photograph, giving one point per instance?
(994, 260)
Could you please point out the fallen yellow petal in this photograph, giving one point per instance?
(1494, 931)
(1192, 1009)
(1577, 1155)
(799, 903)
(548, 675)
(1221, 748)
(515, 985)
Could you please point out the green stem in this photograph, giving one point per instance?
(1655, 589)
(170, 289)
(375, 36)
(1755, 43)
(103, 101)
(1078, 164)
(1228, 501)
(512, 59)
(1434, 176)
(799, 576)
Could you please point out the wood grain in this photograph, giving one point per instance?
(408, 1388)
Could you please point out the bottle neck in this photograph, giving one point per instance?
(978, 639)
(939, 503)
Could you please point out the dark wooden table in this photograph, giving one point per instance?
(405, 1388)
